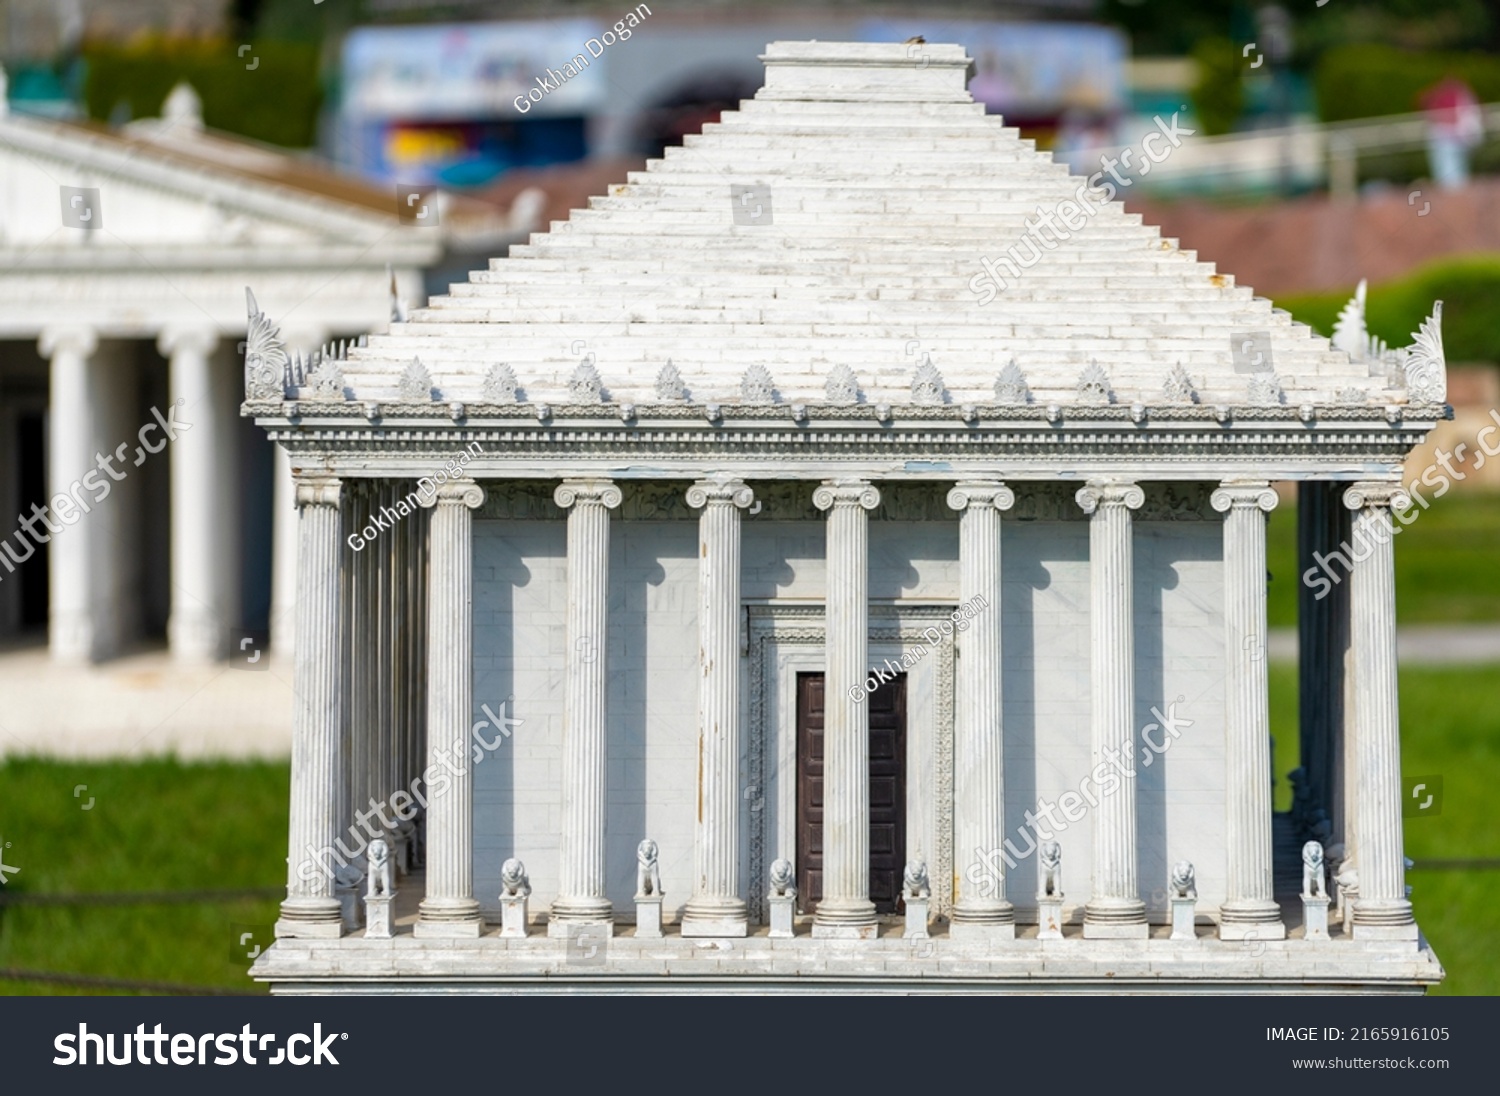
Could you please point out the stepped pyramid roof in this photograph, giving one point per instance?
(821, 255)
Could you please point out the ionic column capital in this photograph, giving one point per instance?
(71, 339)
(721, 490)
(455, 492)
(197, 340)
(978, 493)
(598, 492)
(317, 490)
(1382, 494)
(1110, 493)
(846, 492)
(1243, 495)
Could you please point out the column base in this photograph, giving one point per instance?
(715, 917)
(568, 915)
(1385, 932)
(1252, 930)
(850, 919)
(449, 919)
(1390, 920)
(1117, 919)
(981, 931)
(568, 929)
(310, 918)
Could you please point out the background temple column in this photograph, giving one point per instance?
(70, 455)
(1382, 910)
(204, 548)
(716, 908)
(1114, 909)
(980, 906)
(1249, 910)
(845, 909)
(581, 897)
(318, 764)
(301, 341)
(449, 907)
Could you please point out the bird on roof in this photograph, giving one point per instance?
(915, 40)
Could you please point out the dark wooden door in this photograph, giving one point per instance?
(887, 714)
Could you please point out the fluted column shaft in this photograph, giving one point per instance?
(449, 907)
(202, 488)
(1249, 907)
(716, 908)
(978, 739)
(1114, 909)
(318, 764)
(845, 909)
(1382, 910)
(581, 897)
(72, 586)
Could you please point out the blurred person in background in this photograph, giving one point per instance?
(1454, 128)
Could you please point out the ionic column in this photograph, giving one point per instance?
(980, 907)
(845, 909)
(197, 625)
(449, 908)
(581, 897)
(70, 425)
(318, 764)
(1114, 910)
(302, 341)
(1249, 910)
(715, 908)
(1382, 911)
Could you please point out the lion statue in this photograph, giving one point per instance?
(647, 873)
(783, 879)
(1184, 882)
(914, 880)
(1313, 883)
(380, 869)
(513, 880)
(1051, 865)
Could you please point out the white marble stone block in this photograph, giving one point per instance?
(1049, 917)
(648, 916)
(916, 918)
(1314, 917)
(782, 913)
(378, 919)
(1183, 912)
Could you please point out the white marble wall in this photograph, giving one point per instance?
(519, 606)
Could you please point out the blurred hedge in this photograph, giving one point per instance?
(1468, 287)
(1367, 81)
(276, 101)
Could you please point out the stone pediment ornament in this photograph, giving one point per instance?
(927, 384)
(265, 355)
(585, 385)
(757, 386)
(1426, 370)
(1265, 388)
(842, 385)
(416, 381)
(500, 384)
(1011, 386)
(1351, 335)
(1093, 385)
(669, 384)
(326, 379)
(1179, 386)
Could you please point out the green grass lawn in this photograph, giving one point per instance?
(1450, 727)
(157, 826)
(1447, 563)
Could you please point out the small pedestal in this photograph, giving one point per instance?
(513, 917)
(1314, 917)
(916, 918)
(648, 916)
(1183, 912)
(1049, 918)
(781, 916)
(378, 916)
